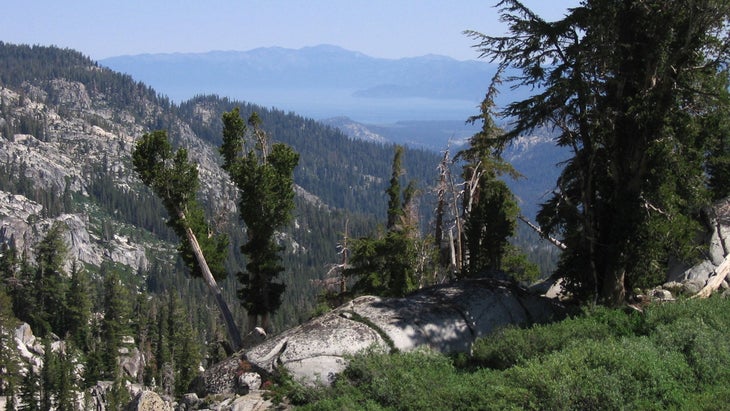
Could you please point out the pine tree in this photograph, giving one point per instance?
(114, 324)
(9, 376)
(50, 283)
(8, 263)
(30, 393)
(174, 179)
(386, 264)
(395, 208)
(10, 392)
(489, 210)
(49, 376)
(66, 384)
(143, 331)
(78, 312)
(629, 86)
(263, 174)
(184, 349)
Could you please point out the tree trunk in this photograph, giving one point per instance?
(613, 290)
(538, 230)
(233, 333)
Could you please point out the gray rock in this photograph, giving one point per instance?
(189, 401)
(700, 272)
(716, 248)
(132, 362)
(316, 349)
(149, 401)
(98, 395)
(691, 287)
(662, 295)
(73, 144)
(673, 286)
(447, 319)
(250, 380)
(224, 378)
(255, 337)
(24, 335)
(252, 402)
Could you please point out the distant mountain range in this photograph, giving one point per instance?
(320, 82)
(422, 102)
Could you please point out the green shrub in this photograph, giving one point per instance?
(417, 381)
(610, 374)
(674, 356)
(706, 349)
(511, 346)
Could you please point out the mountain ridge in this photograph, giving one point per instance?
(67, 132)
(320, 81)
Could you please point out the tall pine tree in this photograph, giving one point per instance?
(263, 173)
(174, 179)
(386, 265)
(631, 87)
(50, 283)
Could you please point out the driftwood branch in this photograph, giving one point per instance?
(715, 281)
(538, 230)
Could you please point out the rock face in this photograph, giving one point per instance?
(83, 134)
(149, 401)
(690, 279)
(446, 319)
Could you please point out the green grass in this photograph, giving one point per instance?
(674, 356)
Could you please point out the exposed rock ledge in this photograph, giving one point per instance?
(445, 318)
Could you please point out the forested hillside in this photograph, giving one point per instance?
(74, 214)
(343, 174)
(83, 238)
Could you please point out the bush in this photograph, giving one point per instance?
(511, 346)
(420, 380)
(610, 374)
(675, 356)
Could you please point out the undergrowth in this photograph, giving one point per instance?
(672, 356)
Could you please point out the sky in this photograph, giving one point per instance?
(378, 28)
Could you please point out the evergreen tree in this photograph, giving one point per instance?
(78, 311)
(114, 324)
(489, 208)
(49, 376)
(23, 291)
(143, 328)
(57, 379)
(717, 124)
(30, 393)
(67, 384)
(630, 87)
(386, 265)
(184, 349)
(50, 283)
(94, 364)
(8, 356)
(8, 263)
(263, 174)
(175, 181)
(11, 404)
(163, 358)
(395, 208)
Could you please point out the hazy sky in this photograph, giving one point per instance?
(379, 28)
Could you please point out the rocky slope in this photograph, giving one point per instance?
(78, 141)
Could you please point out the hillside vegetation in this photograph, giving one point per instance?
(671, 356)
